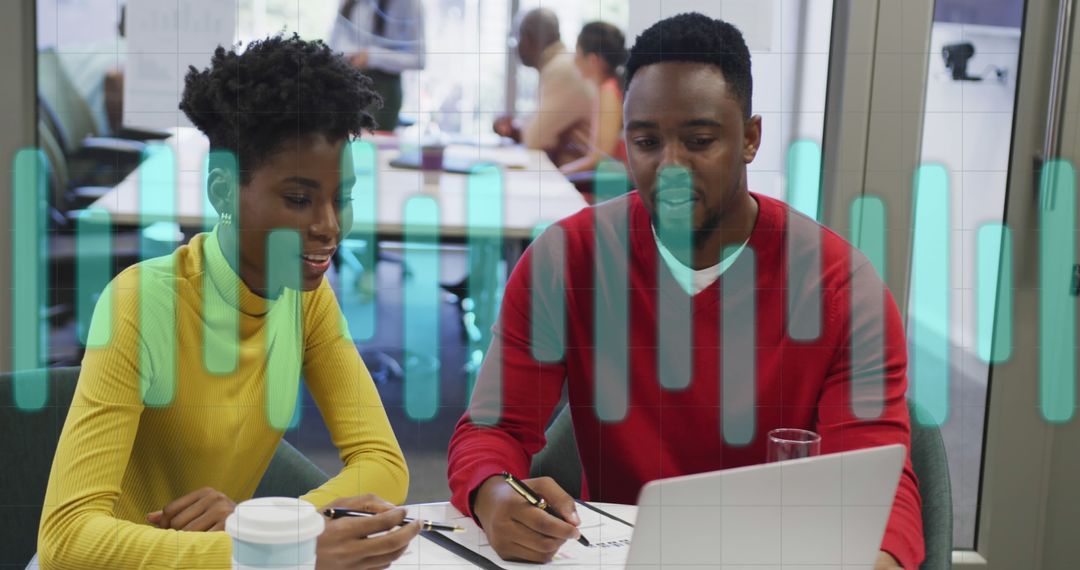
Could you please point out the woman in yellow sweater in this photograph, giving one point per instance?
(193, 361)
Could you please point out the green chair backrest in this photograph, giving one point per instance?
(559, 460)
(27, 448)
(29, 443)
(290, 474)
(71, 113)
(931, 468)
(57, 168)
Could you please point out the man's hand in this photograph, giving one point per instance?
(347, 542)
(202, 510)
(520, 531)
(504, 126)
(359, 60)
(885, 561)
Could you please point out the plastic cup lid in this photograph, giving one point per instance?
(274, 520)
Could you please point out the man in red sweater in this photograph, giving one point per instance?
(685, 320)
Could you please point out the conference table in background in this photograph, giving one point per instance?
(534, 192)
(166, 196)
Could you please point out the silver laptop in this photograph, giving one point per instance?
(822, 512)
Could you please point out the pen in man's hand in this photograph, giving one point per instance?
(537, 501)
(424, 524)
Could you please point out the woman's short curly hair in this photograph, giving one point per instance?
(279, 88)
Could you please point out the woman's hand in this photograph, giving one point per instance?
(202, 510)
(347, 542)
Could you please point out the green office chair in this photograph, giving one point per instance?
(290, 474)
(29, 443)
(559, 460)
(932, 470)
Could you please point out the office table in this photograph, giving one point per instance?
(534, 192)
(423, 553)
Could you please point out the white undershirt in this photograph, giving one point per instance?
(693, 280)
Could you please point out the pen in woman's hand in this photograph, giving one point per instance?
(424, 524)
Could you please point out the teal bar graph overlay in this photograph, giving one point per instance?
(866, 340)
(29, 279)
(221, 316)
(610, 180)
(284, 334)
(360, 297)
(157, 296)
(674, 318)
(548, 300)
(484, 237)
(804, 296)
(1057, 306)
(421, 308)
(738, 348)
(867, 307)
(804, 267)
(868, 230)
(928, 328)
(611, 302)
(804, 178)
(93, 266)
(993, 293)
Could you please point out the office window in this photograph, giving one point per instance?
(260, 18)
(460, 90)
(967, 127)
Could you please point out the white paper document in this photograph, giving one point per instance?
(609, 539)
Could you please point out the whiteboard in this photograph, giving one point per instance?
(164, 37)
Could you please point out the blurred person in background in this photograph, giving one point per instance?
(600, 57)
(381, 38)
(565, 100)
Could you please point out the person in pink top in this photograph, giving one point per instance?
(601, 55)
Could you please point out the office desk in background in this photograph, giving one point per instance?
(534, 191)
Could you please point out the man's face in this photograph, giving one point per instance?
(298, 188)
(688, 145)
(527, 49)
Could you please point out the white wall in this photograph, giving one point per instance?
(17, 106)
(967, 129)
(789, 50)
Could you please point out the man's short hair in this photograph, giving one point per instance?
(694, 37)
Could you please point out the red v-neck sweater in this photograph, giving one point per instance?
(825, 353)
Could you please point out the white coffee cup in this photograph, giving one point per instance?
(274, 532)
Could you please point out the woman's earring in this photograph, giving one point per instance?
(226, 218)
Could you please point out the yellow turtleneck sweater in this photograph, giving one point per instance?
(150, 422)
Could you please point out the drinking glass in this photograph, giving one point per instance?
(791, 443)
